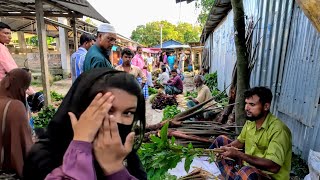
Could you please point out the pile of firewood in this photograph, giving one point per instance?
(198, 174)
(199, 133)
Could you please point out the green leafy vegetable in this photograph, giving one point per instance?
(162, 154)
(192, 94)
(170, 111)
(152, 91)
(43, 117)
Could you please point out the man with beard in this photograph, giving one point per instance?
(204, 94)
(126, 56)
(98, 54)
(266, 141)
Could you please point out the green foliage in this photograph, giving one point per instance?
(205, 6)
(193, 94)
(34, 41)
(149, 34)
(90, 21)
(162, 154)
(211, 80)
(55, 96)
(152, 91)
(44, 116)
(222, 98)
(170, 111)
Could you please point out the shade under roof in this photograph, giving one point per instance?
(57, 8)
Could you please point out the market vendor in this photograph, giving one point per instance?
(162, 78)
(174, 85)
(266, 141)
(204, 94)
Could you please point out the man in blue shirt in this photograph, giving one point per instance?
(77, 58)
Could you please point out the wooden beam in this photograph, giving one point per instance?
(46, 14)
(75, 34)
(56, 5)
(43, 50)
(21, 5)
(26, 25)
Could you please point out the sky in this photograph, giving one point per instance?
(126, 15)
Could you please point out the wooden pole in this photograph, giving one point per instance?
(75, 33)
(43, 50)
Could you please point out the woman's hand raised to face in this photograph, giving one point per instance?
(86, 128)
(108, 148)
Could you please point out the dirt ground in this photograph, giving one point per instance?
(152, 116)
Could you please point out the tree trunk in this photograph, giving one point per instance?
(242, 60)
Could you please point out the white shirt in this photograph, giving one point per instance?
(163, 78)
(149, 60)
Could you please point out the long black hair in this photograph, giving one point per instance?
(48, 154)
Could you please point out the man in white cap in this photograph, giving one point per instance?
(98, 54)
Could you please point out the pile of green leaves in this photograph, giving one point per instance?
(152, 91)
(170, 111)
(162, 154)
(193, 94)
(211, 80)
(44, 116)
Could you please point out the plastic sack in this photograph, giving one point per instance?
(314, 165)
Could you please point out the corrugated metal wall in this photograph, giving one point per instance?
(223, 52)
(271, 35)
(300, 88)
(287, 61)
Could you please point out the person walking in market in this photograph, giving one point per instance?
(171, 60)
(78, 57)
(98, 54)
(266, 141)
(35, 99)
(138, 61)
(150, 62)
(7, 62)
(126, 55)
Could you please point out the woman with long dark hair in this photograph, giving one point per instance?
(104, 106)
(16, 139)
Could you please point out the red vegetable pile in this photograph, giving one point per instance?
(163, 100)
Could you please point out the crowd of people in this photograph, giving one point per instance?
(97, 130)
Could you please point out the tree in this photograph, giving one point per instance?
(242, 60)
(205, 6)
(90, 21)
(188, 33)
(149, 34)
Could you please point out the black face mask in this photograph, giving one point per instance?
(124, 130)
